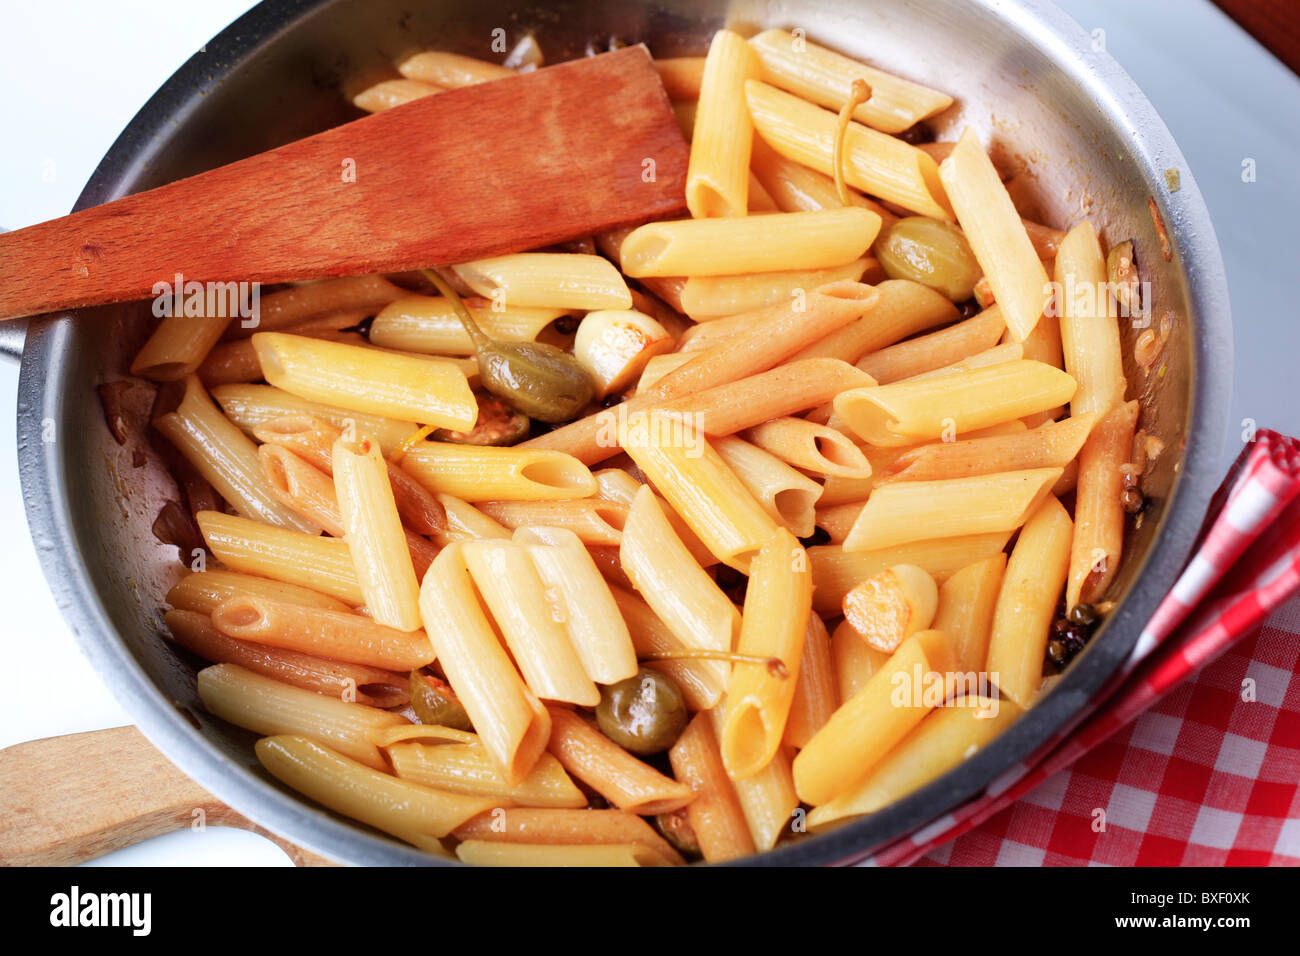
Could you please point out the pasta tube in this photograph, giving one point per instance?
(777, 604)
(874, 162)
(717, 179)
(366, 380)
(996, 235)
(905, 511)
(1026, 602)
(869, 724)
(547, 280)
(741, 245)
(511, 723)
(950, 405)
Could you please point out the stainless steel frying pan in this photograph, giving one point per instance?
(1027, 77)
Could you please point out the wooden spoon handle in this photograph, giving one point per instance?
(513, 164)
(64, 800)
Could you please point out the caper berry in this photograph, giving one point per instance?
(497, 424)
(931, 252)
(1132, 500)
(1085, 615)
(644, 714)
(1056, 652)
(677, 830)
(537, 379)
(434, 702)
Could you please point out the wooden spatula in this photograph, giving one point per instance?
(65, 800)
(500, 167)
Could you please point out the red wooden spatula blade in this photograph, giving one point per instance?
(514, 164)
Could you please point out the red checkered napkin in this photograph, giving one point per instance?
(1167, 765)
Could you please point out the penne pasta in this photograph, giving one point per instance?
(717, 179)
(354, 790)
(1026, 602)
(338, 679)
(1098, 506)
(796, 188)
(1053, 445)
(941, 741)
(592, 520)
(523, 826)
(950, 405)
(235, 362)
(696, 481)
(374, 535)
(767, 799)
(267, 706)
(705, 298)
(467, 768)
(450, 70)
(996, 235)
(547, 280)
(816, 693)
(226, 458)
(876, 163)
(854, 660)
(965, 614)
(486, 473)
(936, 350)
(511, 723)
(369, 381)
(488, 853)
(1089, 328)
(836, 571)
(746, 244)
(787, 495)
(204, 590)
(310, 493)
(678, 590)
(824, 77)
(386, 94)
(425, 323)
(178, 346)
(775, 619)
(715, 814)
(868, 725)
(901, 309)
(906, 511)
(339, 635)
(253, 406)
(511, 589)
(811, 447)
(313, 440)
(682, 76)
(308, 300)
(467, 523)
(294, 557)
(590, 614)
(626, 782)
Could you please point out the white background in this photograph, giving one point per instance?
(72, 74)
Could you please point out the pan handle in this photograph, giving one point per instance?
(72, 798)
(13, 333)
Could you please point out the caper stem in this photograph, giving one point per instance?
(859, 93)
(775, 666)
(476, 334)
